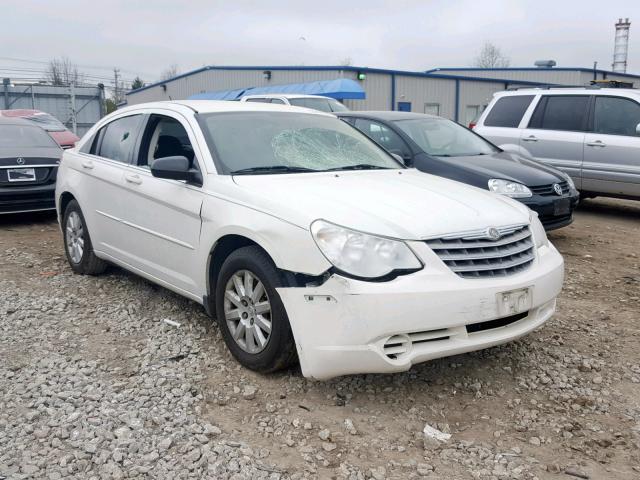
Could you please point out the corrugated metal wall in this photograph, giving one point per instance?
(378, 88)
(588, 76)
(425, 94)
(56, 101)
(420, 91)
(474, 97)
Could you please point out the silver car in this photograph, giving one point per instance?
(593, 134)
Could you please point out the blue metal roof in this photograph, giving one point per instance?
(340, 89)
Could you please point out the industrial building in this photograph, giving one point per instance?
(458, 94)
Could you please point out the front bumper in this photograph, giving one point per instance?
(29, 198)
(545, 208)
(347, 326)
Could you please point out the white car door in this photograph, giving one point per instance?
(556, 132)
(162, 216)
(100, 194)
(612, 150)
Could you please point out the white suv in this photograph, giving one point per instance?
(301, 236)
(315, 102)
(593, 134)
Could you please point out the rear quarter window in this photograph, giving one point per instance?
(118, 138)
(508, 111)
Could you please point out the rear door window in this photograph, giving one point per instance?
(616, 116)
(561, 112)
(508, 111)
(118, 138)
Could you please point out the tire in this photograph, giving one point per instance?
(82, 261)
(278, 351)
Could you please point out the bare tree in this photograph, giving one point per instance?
(61, 71)
(346, 62)
(491, 57)
(170, 72)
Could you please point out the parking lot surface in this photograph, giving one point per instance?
(95, 384)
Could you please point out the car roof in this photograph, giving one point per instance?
(20, 112)
(570, 91)
(223, 106)
(386, 115)
(16, 121)
(285, 95)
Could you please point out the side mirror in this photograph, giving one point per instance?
(638, 129)
(175, 168)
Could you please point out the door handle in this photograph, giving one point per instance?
(597, 143)
(133, 179)
(530, 138)
(88, 164)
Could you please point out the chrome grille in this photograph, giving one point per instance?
(473, 255)
(546, 190)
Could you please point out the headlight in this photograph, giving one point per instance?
(510, 189)
(569, 180)
(537, 229)
(360, 254)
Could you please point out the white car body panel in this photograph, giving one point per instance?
(342, 326)
(347, 198)
(165, 231)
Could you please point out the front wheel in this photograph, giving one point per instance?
(77, 242)
(251, 316)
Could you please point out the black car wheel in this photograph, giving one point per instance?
(77, 242)
(250, 313)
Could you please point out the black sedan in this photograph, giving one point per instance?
(441, 147)
(29, 160)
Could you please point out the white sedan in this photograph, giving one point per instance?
(303, 238)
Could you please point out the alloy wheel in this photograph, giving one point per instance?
(247, 311)
(75, 237)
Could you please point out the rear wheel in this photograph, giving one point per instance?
(77, 242)
(251, 316)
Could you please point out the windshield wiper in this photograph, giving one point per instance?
(271, 169)
(358, 166)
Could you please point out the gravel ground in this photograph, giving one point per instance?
(94, 384)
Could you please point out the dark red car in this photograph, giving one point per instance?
(51, 124)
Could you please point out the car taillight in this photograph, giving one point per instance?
(472, 125)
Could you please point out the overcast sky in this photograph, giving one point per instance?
(145, 37)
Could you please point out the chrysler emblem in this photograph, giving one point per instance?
(557, 188)
(20, 161)
(493, 233)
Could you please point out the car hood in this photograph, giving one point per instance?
(507, 166)
(404, 204)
